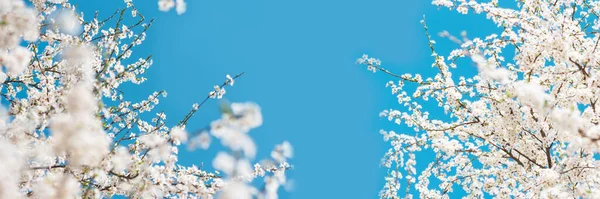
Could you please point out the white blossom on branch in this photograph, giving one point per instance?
(69, 130)
(526, 126)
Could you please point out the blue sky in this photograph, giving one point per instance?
(299, 58)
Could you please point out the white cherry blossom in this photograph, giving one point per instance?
(526, 126)
(68, 130)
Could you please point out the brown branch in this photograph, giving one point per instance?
(581, 68)
(48, 167)
(184, 121)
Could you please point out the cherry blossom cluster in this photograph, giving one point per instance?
(166, 5)
(67, 129)
(526, 126)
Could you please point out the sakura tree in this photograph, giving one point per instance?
(525, 126)
(68, 131)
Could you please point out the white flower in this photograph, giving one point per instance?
(282, 152)
(532, 94)
(180, 6)
(16, 61)
(446, 3)
(12, 162)
(248, 115)
(68, 22)
(233, 138)
(237, 190)
(548, 177)
(3, 77)
(165, 5)
(217, 93)
(121, 159)
(489, 71)
(178, 135)
(203, 141)
(224, 162)
(230, 80)
(80, 61)
(18, 22)
(243, 168)
(233, 127)
(271, 187)
(57, 185)
(78, 132)
(158, 149)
